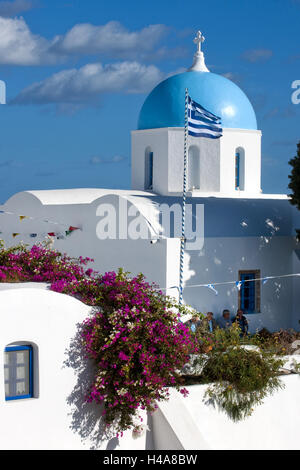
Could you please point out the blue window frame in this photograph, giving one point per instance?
(248, 292)
(237, 170)
(150, 170)
(18, 372)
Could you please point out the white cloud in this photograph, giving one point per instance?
(84, 85)
(99, 160)
(18, 46)
(11, 8)
(257, 55)
(111, 39)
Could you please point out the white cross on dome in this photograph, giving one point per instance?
(198, 40)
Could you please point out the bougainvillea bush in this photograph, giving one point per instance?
(139, 346)
(134, 335)
(40, 264)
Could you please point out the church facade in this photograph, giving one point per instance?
(241, 252)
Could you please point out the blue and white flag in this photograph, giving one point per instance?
(202, 123)
(210, 286)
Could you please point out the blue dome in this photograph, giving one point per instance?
(164, 106)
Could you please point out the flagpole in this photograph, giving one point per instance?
(182, 239)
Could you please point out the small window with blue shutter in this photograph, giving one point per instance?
(148, 169)
(249, 293)
(237, 170)
(18, 372)
(240, 167)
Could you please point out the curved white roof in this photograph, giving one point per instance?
(72, 196)
(262, 216)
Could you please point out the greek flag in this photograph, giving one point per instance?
(202, 123)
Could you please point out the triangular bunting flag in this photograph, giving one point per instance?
(239, 284)
(210, 286)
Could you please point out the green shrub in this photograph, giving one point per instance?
(279, 342)
(241, 379)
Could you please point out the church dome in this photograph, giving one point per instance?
(164, 106)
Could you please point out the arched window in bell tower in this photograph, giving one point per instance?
(148, 169)
(2, 92)
(193, 168)
(239, 169)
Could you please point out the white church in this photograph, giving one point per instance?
(237, 233)
(242, 232)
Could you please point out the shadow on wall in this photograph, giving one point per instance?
(86, 418)
(222, 259)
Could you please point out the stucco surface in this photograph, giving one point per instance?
(57, 417)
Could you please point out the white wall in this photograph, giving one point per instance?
(217, 160)
(58, 418)
(222, 258)
(191, 424)
(209, 168)
(250, 141)
(296, 301)
(134, 256)
(157, 140)
(296, 267)
(174, 428)
(172, 266)
(219, 261)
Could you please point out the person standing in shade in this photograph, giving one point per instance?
(225, 322)
(242, 322)
(194, 323)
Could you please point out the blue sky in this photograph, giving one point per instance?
(78, 71)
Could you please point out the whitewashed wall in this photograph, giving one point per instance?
(296, 268)
(296, 294)
(250, 141)
(157, 140)
(134, 256)
(57, 417)
(191, 424)
(222, 258)
(217, 161)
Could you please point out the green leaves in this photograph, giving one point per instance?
(241, 380)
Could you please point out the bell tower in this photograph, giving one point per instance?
(229, 166)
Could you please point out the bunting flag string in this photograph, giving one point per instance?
(59, 235)
(41, 218)
(238, 284)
